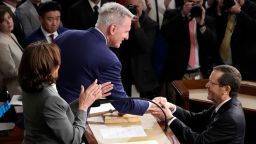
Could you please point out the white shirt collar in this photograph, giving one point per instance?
(10, 6)
(218, 107)
(102, 34)
(92, 4)
(46, 34)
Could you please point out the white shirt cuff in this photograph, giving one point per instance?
(171, 120)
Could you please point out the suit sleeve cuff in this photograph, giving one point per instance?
(171, 120)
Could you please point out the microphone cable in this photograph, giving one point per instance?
(137, 98)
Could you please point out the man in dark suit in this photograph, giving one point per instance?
(157, 8)
(83, 14)
(223, 123)
(28, 15)
(176, 29)
(86, 56)
(18, 29)
(136, 54)
(49, 16)
(241, 45)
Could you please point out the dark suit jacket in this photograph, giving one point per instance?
(39, 35)
(81, 16)
(243, 46)
(226, 127)
(136, 56)
(176, 32)
(85, 56)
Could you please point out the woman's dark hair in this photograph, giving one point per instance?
(4, 9)
(38, 61)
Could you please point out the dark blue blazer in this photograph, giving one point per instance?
(85, 57)
(38, 35)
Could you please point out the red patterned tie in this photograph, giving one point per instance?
(192, 58)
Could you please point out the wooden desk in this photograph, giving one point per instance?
(195, 91)
(151, 127)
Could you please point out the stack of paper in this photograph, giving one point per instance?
(16, 101)
(115, 118)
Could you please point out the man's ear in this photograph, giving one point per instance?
(227, 89)
(112, 29)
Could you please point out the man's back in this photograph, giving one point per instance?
(86, 57)
(82, 64)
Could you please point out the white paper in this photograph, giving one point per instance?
(18, 109)
(16, 100)
(6, 126)
(122, 132)
(140, 142)
(102, 108)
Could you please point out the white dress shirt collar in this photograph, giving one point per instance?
(102, 34)
(10, 6)
(92, 4)
(47, 35)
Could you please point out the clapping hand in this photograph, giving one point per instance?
(93, 92)
(106, 88)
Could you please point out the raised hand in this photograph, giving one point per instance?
(235, 9)
(88, 96)
(106, 88)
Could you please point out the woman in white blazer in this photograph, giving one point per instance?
(10, 53)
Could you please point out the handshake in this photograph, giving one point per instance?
(167, 107)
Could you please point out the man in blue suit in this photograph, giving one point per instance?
(49, 16)
(86, 56)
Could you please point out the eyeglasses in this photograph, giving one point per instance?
(213, 83)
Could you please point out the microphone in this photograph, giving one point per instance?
(102, 101)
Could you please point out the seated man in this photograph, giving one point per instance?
(222, 123)
(49, 16)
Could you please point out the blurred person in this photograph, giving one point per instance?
(11, 53)
(224, 122)
(84, 14)
(136, 53)
(18, 29)
(156, 8)
(235, 27)
(86, 56)
(27, 13)
(191, 38)
(65, 5)
(49, 16)
(48, 117)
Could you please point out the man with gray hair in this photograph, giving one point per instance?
(86, 56)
